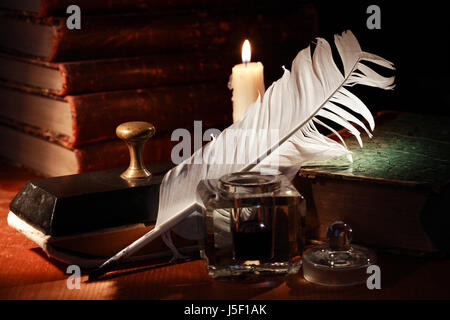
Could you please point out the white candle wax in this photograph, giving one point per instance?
(246, 81)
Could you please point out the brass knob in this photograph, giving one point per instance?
(135, 134)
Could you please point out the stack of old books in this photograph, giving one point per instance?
(64, 90)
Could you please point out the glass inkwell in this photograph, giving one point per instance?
(338, 263)
(253, 225)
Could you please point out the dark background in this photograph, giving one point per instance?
(414, 36)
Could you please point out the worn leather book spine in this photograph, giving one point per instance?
(95, 116)
(140, 72)
(118, 73)
(125, 35)
(111, 36)
(91, 157)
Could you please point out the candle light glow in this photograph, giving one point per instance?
(246, 52)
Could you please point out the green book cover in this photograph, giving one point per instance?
(406, 148)
(396, 192)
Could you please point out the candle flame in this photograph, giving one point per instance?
(246, 52)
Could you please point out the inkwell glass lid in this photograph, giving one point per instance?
(338, 263)
(248, 183)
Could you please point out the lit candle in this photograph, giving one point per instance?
(246, 81)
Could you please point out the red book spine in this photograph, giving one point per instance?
(128, 35)
(96, 116)
(141, 72)
(114, 154)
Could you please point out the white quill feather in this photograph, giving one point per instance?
(291, 106)
(314, 89)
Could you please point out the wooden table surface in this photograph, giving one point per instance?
(27, 273)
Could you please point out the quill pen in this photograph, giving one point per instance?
(278, 131)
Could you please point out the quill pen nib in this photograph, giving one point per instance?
(109, 264)
(112, 262)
